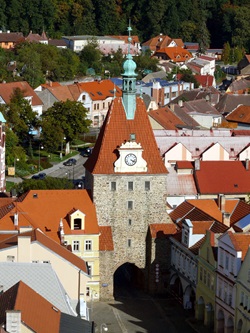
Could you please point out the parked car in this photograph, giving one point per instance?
(87, 151)
(71, 161)
(40, 176)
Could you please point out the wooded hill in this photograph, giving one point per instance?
(209, 22)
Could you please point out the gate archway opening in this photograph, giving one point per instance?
(128, 279)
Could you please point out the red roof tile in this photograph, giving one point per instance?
(106, 239)
(241, 114)
(241, 242)
(176, 54)
(166, 118)
(115, 131)
(159, 230)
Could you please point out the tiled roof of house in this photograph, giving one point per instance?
(12, 37)
(158, 41)
(97, 90)
(199, 93)
(180, 184)
(229, 102)
(205, 80)
(195, 248)
(44, 209)
(241, 242)
(241, 114)
(134, 39)
(57, 42)
(7, 89)
(176, 54)
(106, 239)
(36, 37)
(50, 84)
(200, 227)
(38, 237)
(200, 106)
(228, 177)
(239, 86)
(166, 118)
(115, 131)
(185, 117)
(162, 230)
(35, 310)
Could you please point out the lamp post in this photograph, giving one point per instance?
(39, 157)
(104, 328)
(15, 160)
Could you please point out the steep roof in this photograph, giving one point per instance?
(162, 230)
(241, 242)
(11, 37)
(229, 102)
(166, 118)
(35, 310)
(37, 236)
(180, 184)
(7, 89)
(106, 239)
(205, 80)
(44, 209)
(176, 54)
(115, 131)
(241, 114)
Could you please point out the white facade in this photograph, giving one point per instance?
(215, 153)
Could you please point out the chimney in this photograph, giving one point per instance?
(247, 164)
(13, 321)
(61, 230)
(197, 164)
(226, 219)
(180, 103)
(221, 202)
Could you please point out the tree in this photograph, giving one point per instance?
(226, 53)
(19, 115)
(64, 119)
(91, 55)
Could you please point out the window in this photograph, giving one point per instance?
(208, 254)
(132, 136)
(129, 242)
(212, 282)
(103, 105)
(83, 97)
(241, 298)
(232, 265)
(76, 246)
(147, 186)
(11, 258)
(94, 106)
(90, 268)
(87, 291)
(248, 275)
(96, 120)
(113, 186)
(88, 245)
(205, 276)
(227, 263)
(129, 222)
(130, 205)
(208, 280)
(221, 257)
(130, 186)
(201, 273)
(77, 224)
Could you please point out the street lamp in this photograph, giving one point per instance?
(104, 328)
(15, 160)
(39, 157)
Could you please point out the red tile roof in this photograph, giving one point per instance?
(160, 230)
(7, 89)
(35, 310)
(11, 37)
(37, 236)
(44, 209)
(200, 227)
(115, 131)
(241, 114)
(176, 54)
(205, 80)
(166, 118)
(241, 242)
(106, 239)
(227, 177)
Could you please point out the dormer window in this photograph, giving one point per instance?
(77, 224)
(132, 137)
(77, 220)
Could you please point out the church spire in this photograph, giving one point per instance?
(129, 81)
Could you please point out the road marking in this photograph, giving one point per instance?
(118, 318)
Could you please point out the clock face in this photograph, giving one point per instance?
(130, 159)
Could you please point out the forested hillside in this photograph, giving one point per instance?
(209, 22)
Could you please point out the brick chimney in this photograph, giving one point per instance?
(247, 164)
(197, 164)
(222, 202)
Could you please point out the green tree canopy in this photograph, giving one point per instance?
(64, 119)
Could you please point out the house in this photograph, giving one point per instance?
(242, 299)
(240, 116)
(175, 54)
(32, 246)
(161, 41)
(232, 249)
(206, 281)
(244, 65)
(7, 89)
(8, 40)
(36, 38)
(96, 96)
(229, 102)
(66, 216)
(239, 87)
(164, 118)
(202, 65)
(22, 309)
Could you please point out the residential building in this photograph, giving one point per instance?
(161, 41)
(232, 248)
(29, 311)
(243, 66)
(242, 299)
(164, 118)
(239, 87)
(175, 54)
(35, 247)
(202, 65)
(206, 281)
(240, 116)
(8, 40)
(7, 89)
(127, 179)
(66, 216)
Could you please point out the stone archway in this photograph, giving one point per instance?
(220, 322)
(239, 326)
(189, 298)
(209, 315)
(230, 325)
(176, 288)
(128, 280)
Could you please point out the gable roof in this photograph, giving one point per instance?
(35, 310)
(205, 80)
(11, 37)
(38, 237)
(162, 230)
(166, 118)
(241, 114)
(7, 89)
(200, 106)
(229, 102)
(241, 242)
(157, 42)
(176, 54)
(115, 131)
(44, 209)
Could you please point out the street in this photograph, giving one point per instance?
(141, 314)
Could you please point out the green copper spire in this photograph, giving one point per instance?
(129, 82)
